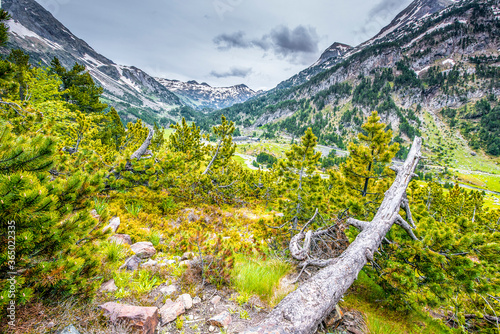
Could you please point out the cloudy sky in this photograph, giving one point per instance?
(222, 42)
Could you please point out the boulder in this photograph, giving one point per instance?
(109, 286)
(113, 224)
(123, 239)
(142, 319)
(143, 250)
(186, 300)
(221, 320)
(132, 263)
(150, 263)
(168, 289)
(170, 311)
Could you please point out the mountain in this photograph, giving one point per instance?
(434, 56)
(330, 57)
(205, 97)
(134, 93)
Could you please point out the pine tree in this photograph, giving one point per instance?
(20, 61)
(366, 171)
(187, 139)
(54, 233)
(299, 184)
(224, 150)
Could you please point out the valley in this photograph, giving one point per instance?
(360, 195)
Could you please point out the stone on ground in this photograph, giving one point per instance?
(143, 249)
(170, 311)
(143, 319)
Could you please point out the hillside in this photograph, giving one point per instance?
(438, 59)
(133, 92)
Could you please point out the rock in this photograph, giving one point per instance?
(170, 311)
(143, 249)
(168, 290)
(186, 264)
(215, 300)
(192, 217)
(166, 263)
(221, 320)
(211, 328)
(473, 153)
(113, 224)
(132, 263)
(122, 239)
(69, 330)
(196, 300)
(187, 256)
(150, 263)
(186, 300)
(280, 214)
(50, 324)
(109, 286)
(143, 319)
(94, 214)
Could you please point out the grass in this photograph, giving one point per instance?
(139, 281)
(365, 296)
(133, 209)
(114, 252)
(100, 205)
(259, 277)
(155, 237)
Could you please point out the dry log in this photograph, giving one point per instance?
(144, 147)
(303, 310)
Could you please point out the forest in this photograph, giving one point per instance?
(69, 167)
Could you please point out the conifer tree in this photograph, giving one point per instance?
(20, 62)
(366, 171)
(187, 139)
(224, 150)
(54, 233)
(299, 184)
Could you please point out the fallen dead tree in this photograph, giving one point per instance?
(303, 310)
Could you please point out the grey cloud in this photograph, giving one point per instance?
(298, 40)
(235, 40)
(283, 41)
(239, 72)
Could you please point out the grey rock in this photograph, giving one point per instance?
(108, 286)
(170, 311)
(132, 263)
(123, 239)
(144, 249)
(113, 224)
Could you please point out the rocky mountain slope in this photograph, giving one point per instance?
(205, 97)
(132, 91)
(432, 56)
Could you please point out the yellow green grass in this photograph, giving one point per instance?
(365, 296)
(252, 276)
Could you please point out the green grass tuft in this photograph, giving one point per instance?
(259, 277)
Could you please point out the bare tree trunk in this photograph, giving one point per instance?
(303, 310)
(144, 147)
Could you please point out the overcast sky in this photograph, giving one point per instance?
(222, 42)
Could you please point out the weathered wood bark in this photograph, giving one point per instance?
(144, 147)
(303, 310)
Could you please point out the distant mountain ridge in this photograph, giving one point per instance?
(205, 97)
(133, 92)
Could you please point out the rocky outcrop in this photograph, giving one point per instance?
(142, 319)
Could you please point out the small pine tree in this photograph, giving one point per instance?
(366, 171)
(299, 183)
(54, 234)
